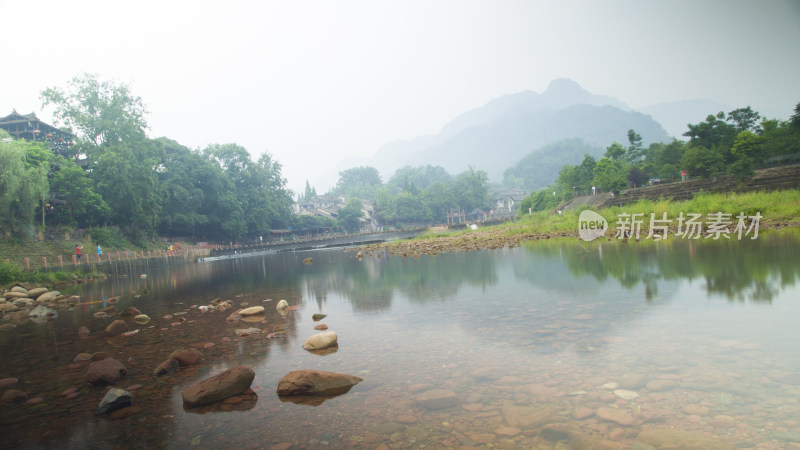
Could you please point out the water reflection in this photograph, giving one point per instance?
(517, 339)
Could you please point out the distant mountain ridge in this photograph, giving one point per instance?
(497, 135)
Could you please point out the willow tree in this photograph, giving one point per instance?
(23, 185)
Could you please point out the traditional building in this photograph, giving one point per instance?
(30, 128)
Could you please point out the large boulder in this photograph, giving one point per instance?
(114, 399)
(35, 293)
(116, 328)
(11, 295)
(19, 289)
(305, 382)
(42, 314)
(187, 357)
(48, 296)
(225, 384)
(105, 371)
(320, 340)
(8, 307)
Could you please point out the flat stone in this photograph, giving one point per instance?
(626, 394)
(615, 415)
(225, 384)
(320, 340)
(436, 399)
(507, 431)
(299, 382)
(582, 412)
(252, 311)
(116, 328)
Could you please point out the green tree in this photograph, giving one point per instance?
(471, 190)
(100, 112)
(350, 216)
(127, 180)
(702, 162)
(608, 176)
(82, 206)
(747, 153)
(745, 119)
(23, 185)
(358, 182)
(635, 151)
(183, 197)
(615, 152)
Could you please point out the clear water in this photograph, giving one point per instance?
(531, 344)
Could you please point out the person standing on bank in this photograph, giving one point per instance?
(99, 252)
(78, 252)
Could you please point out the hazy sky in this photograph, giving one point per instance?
(313, 81)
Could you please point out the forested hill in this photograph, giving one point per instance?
(497, 135)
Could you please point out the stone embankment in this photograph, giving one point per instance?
(771, 179)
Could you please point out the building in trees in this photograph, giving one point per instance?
(30, 128)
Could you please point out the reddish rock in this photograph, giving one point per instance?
(405, 419)
(116, 328)
(97, 356)
(321, 326)
(6, 382)
(34, 401)
(13, 396)
(299, 382)
(69, 391)
(124, 412)
(187, 357)
(105, 371)
(83, 332)
(615, 415)
(133, 387)
(168, 367)
(225, 384)
(108, 310)
(132, 311)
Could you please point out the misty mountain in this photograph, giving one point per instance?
(675, 116)
(497, 135)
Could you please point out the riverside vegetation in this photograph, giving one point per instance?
(777, 208)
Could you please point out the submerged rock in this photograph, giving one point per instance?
(13, 396)
(114, 399)
(141, 319)
(615, 415)
(105, 371)
(671, 438)
(168, 367)
(437, 399)
(304, 382)
(252, 311)
(320, 340)
(116, 328)
(225, 384)
(187, 356)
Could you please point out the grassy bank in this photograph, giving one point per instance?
(777, 209)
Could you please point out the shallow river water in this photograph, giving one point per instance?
(556, 344)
